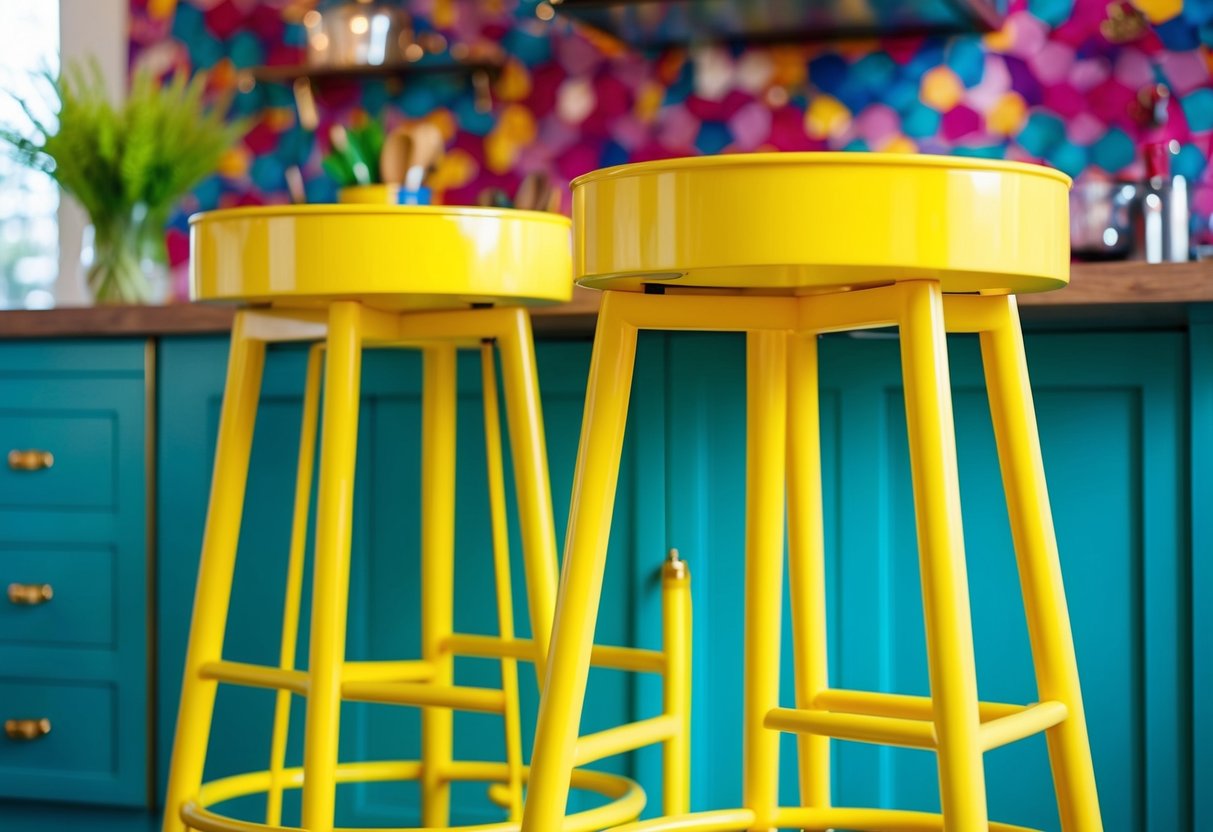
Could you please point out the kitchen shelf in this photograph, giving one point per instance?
(321, 74)
(663, 23)
(308, 81)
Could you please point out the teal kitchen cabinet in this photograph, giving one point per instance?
(1113, 419)
(1127, 426)
(74, 565)
(384, 595)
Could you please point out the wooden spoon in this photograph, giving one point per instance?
(528, 189)
(395, 156)
(535, 192)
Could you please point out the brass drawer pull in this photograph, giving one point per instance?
(27, 730)
(30, 460)
(30, 595)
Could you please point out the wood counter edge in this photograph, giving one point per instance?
(1091, 284)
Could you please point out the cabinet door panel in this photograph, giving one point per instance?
(80, 742)
(80, 441)
(80, 612)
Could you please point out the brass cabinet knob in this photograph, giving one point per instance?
(30, 595)
(30, 460)
(27, 730)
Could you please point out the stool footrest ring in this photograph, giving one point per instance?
(625, 797)
(806, 818)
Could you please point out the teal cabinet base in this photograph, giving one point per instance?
(23, 816)
(1127, 428)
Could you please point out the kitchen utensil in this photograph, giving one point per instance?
(354, 159)
(357, 34)
(395, 157)
(305, 103)
(294, 184)
(524, 197)
(338, 169)
(535, 192)
(427, 149)
(493, 198)
(1101, 219)
(367, 140)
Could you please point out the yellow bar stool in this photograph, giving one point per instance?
(785, 247)
(346, 278)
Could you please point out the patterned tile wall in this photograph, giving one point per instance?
(1049, 86)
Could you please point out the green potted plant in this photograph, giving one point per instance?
(127, 165)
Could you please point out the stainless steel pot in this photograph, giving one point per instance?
(1101, 219)
(357, 34)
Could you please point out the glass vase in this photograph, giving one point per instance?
(123, 260)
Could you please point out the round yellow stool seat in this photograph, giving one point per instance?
(387, 256)
(795, 222)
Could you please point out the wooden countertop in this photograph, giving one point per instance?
(1124, 292)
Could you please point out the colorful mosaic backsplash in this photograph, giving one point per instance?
(1049, 86)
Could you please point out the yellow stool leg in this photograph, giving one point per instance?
(294, 582)
(676, 684)
(766, 449)
(501, 570)
(1039, 565)
(528, 449)
(945, 592)
(593, 503)
(806, 560)
(215, 569)
(330, 583)
(438, 403)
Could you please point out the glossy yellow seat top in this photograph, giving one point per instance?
(388, 256)
(796, 222)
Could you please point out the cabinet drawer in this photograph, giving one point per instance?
(80, 609)
(56, 458)
(78, 759)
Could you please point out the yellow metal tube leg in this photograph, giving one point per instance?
(1044, 596)
(592, 505)
(294, 582)
(438, 405)
(945, 591)
(331, 578)
(524, 415)
(766, 450)
(806, 560)
(215, 570)
(676, 681)
(501, 569)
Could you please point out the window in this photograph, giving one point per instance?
(29, 201)
(39, 232)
